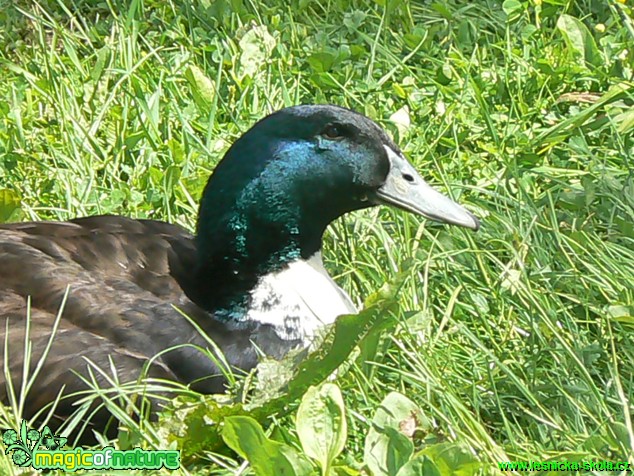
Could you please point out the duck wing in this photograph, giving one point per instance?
(118, 284)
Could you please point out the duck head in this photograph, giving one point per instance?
(278, 187)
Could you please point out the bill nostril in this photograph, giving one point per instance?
(408, 177)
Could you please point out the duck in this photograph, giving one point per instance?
(146, 298)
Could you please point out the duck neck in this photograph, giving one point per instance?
(262, 210)
(245, 244)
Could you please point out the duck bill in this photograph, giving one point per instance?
(405, 188)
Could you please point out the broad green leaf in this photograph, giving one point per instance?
(321, 62)
(444, 74)
(579, 40)
(512, 8)
(590, 189)
(399, 91)
(402, 121)
(620, 435)
(619, 310)
(528, 31)
(321, 424)
(511, 280)
(257, 44)
(420, 465)
(353, 20)
(388, 444)
(245, 436)
(395, 409)
(9, 205)
(625, 121)
(201, 87)
(441, 8)
(386, 452)
(452, 459)
(324, 80)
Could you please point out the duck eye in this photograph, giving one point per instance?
(333, 132)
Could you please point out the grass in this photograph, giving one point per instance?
(520, 345)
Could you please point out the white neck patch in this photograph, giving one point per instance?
(298, 300)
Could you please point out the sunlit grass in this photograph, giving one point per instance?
(519, 345)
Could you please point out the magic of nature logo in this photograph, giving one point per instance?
(44, 450)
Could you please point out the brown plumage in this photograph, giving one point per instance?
(124, 290)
